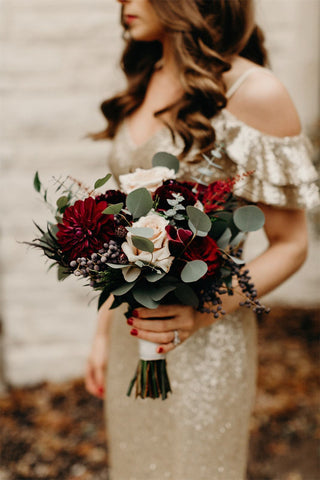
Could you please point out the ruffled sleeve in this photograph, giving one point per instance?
(282, 171)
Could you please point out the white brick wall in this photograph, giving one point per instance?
(58, 61)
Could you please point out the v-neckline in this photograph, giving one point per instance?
(132, 143)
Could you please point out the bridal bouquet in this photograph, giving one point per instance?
(156, 241)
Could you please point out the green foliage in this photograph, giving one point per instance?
(142, 243)
(186, 295)
(123, 289)
(224, 240)
(164, 159)
(248, 218)
(62, 202)
(154, 277)
(113, 209)
(193, 271)
(63, 273)
(198, 221)
(101, 181)
(141, 231)
(139, 202)
(142, 295)
(36, 182)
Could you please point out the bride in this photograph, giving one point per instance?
(196, 75)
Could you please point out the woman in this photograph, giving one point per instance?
(196, 76)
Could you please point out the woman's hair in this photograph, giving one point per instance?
(204, 33)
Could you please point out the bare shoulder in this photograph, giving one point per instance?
(264, 103)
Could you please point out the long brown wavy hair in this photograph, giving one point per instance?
(203, 33)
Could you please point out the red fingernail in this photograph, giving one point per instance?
(101, 390)
(160, 350)
(135, 313)
(134, 332)
(130, 321)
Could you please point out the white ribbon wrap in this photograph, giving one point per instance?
(147, 351)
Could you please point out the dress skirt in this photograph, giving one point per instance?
(200, 432)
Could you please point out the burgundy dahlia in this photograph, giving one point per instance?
(85, 228)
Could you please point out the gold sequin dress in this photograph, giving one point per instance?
(201, 431)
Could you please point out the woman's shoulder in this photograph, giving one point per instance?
(263, 102)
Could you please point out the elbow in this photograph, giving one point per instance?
(300, 253)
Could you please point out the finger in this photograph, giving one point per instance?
(163, 338)
(91, 383)
(165, 325)
(159, 312)
(166, 347)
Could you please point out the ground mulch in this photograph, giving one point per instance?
(56, 431)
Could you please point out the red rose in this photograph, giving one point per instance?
(206, 249)
(112, 196)
(216, 195)
(85, 228)
(169, 187)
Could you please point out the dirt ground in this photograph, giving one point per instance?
(55, 431)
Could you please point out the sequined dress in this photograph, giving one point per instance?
(201, 431)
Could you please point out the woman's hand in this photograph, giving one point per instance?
(158, 325)
(96, 366)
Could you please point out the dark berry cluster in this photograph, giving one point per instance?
(211, 294)
(212, 291)
(90, 267)
(246, 285)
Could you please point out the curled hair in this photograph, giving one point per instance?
(203, 34)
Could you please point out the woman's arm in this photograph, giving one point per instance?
(98, 358)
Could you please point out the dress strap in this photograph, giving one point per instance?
(239, 81)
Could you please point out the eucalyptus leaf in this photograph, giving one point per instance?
(161, 291)
(164, 159)
(238, 261)
(62, 202)
(142, 295)
(199, 220)
(154, 277)
(224, 240)
(237, 239)
(113, 209)
(101, 181)
(205, 171)
(193, 271)
(131, 273)
(142, 243)
(186, 295)
(116, 266)
(125, 288)
(139, 202)
(36, 182)
(248, 218)
(225, 272)
(195, 231)
(62, 273)
(139, 263)
(141, 231)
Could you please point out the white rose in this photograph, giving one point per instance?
(161, 255)
(150, 179)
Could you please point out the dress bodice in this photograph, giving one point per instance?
(282, 170)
